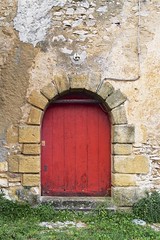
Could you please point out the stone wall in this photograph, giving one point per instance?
(108, 47)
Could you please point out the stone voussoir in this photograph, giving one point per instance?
(34, 116)
(29, 134)
(30, 180)
(138, 164)
(93, 82)
(61, 81)
(78, 81)
(49, 91)
(37, 100)
(105, 90)
(123, 134)
(115, 99)
(119, 115)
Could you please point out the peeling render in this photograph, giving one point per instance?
(33, 19)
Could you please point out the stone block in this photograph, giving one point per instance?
(14, 178)
(122, 149)
(105, 90)
(127, 196)
(49, 91)
(61, 81)
(123, 179)
(29, 134)
(4, 166)
(13, 163)
(131, 164)
(3, 182)
(34, 116)
(31, 149)
(93, 82)
(115, 99)
(31, 180)
(14, 184)
(4, 175)
(78, 81)
(123, 134)
(29, 164)
(119, 115)
(37, 100)
(13, 192)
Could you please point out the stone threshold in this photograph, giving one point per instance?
(79, 203)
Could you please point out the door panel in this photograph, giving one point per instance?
(75, 159)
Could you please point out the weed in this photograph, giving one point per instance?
(148, 208)
(21, 221)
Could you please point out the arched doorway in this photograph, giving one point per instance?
(76, 147)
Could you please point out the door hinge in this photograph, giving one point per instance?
(43, 143)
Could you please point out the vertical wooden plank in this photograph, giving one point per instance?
(46, 150)
(70, 148)
(104, 153)
(81, 149)
(57, 164)
(93, 150)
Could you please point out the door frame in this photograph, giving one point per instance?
(79, 97)
(122, 132)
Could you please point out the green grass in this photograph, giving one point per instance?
(19, 221)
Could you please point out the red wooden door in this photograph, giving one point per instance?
(75, 150)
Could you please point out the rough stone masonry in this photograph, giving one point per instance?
(110, 48)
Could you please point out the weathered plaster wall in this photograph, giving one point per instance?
(117, 39)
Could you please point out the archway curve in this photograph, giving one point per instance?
(122, 132)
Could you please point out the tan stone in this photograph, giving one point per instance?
(13, 163)
(123, 134)
(29, 164)
(49, 91)
(16, 178)
(119, 115)
(127, 196)
(123, 179)
(14, 184)
(31, 149)
(122, 149)
(34, 116)
(3, 175)
(31, 180)
(12, 135)
(3, 182)
(13, 191)
(93, 82)
(29, 134)
(78, 81)
(61, 82)
(38, 100)
(131, 164)
(105, 90)
(3, 166)
(156, 181)
(115, 99)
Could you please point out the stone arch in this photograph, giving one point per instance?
(122, 132)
